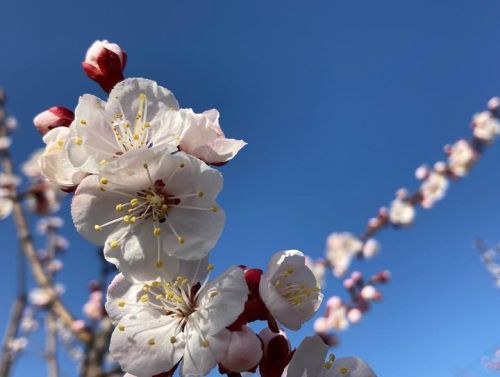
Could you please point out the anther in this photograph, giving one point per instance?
(214, 208)
(157, 231)
(205, 343)
(173, 339)
(78, 141)
(104, 181)
(327, 365)
(200, 194)
(159, 264)
(121, 327)
(114, 244)
(151, 341)
(83, 122)
(181, 240)
(97, 228)
(119, 207)
(134, 202)
(121, 303)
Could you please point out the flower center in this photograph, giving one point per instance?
(294, 291)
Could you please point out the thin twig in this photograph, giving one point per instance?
(8, 357)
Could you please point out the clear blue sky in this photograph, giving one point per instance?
(339, 101)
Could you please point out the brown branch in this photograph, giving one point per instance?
(26, 242)
(51, 345)
(15, 319)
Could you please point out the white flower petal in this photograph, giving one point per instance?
(221, 301)
(308, 360)
(199, 360)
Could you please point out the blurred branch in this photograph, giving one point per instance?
(51, 345)
(26, 242)
(16, 315)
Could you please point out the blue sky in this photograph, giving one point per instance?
(339, 102)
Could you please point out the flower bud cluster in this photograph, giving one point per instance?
(339, 313)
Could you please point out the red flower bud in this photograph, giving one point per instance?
(104, 63)
(56, 116)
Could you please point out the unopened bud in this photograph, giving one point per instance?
(494, 104)
(56, 116)
(244, 351)
(422, 172)
(104, 63)
(354, 315)
(368, 292)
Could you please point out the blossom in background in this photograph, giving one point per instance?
(485, 127)
(289, 289)
(55, 116)
(150, 204)
(461, 157)
(104, 63)
(8, 183)
(401, 212)
(433, 188)
(170, 319)
(340, 249)
(5, 142)
(309, 360)
(201, 136)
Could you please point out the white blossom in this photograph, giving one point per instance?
(54, 162)
(485, 127)
(132, 119)
(401, 212)
(461, 158)
(173, 318)
(340, 249)
(433, 189)
(309, 361)
(202, 136)
(289, 289)
(148, 205)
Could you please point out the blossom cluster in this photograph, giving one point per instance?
(143, 173)
(339, 313)
(342, 248)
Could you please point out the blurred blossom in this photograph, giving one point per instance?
(433, 189)
(401, 213)
(6, 205)
(17, 344)
(55, 266)
(422, 172)
(11, 123)
(461, 158)
(485, 127)
(49, 223)
(354, 315)
(371, 248)
(340, 249)
(5, 142)
(9, 181)
(368, 292)
(40, 297)
(29, 322)
(44, 198)
(31, 168)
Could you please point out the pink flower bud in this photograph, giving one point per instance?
(348, 284)
(368, 292)
(356, 276)
(371, 248)
(321, 325)
(104, 63)
(244, 351)
(56, 116)
(374, 223)
(334, 302)
(78, 325)
(440, 167)
(402, 194)
(383, 213)
(354, 315)
(494, 104)
(422, 172)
